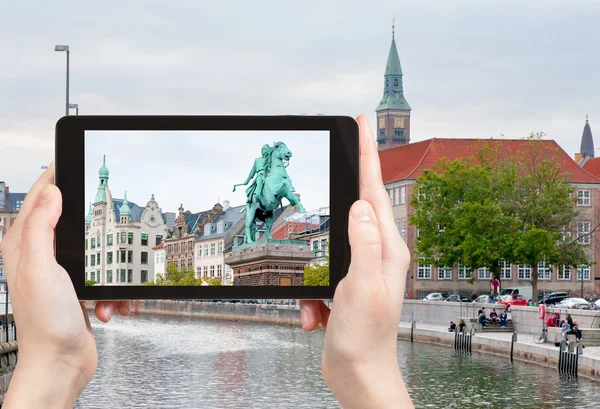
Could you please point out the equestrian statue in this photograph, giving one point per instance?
(270, 185)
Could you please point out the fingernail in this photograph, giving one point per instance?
(107, 313)
(46, 194)
(363, 212)
(304, 317)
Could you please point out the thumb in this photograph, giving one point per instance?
(37, 240)
(365, 242)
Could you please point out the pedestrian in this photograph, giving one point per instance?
(452, 327)
(503, 319)
(494, 317)
(461, 325)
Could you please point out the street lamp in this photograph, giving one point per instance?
(75, 107)
(65, 48)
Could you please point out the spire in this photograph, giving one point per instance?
(88, 218)
(587, 141)
(393, 91)
(103, 172)
(125, 210)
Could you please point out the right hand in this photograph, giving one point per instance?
(360, 365)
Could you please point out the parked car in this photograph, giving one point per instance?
(485, 299)
(526, 292)
(434, 297)
(458, 298)
(596, 305)
(554, 298)
(513, 299)
(445, 294)
(574, 303)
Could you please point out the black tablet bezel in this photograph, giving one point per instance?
(69, 177)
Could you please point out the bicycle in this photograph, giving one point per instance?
(541, 338)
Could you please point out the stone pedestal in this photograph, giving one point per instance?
(269, 262)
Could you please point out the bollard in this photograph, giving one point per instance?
(413, 324)
(512, 345)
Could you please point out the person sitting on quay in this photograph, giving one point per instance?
(565, 327)
(461, 325)
(494, 317)
(482, 319)
(553, 320)
(452, 327)
(503, 319)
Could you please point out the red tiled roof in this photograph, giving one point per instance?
(592, 166)
(409, 161)
(283, 233)
(160, 246)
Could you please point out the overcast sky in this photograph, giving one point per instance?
(471, 68)
(197, 169)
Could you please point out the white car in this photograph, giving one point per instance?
(434, 297)
(574, 303)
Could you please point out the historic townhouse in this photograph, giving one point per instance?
(120, 236)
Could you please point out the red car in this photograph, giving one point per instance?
(515, 299)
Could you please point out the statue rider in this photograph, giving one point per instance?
(258, 169)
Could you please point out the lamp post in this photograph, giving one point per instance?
(65, 48)
(75, 107)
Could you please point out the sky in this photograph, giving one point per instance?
(471, 68)
(197, 169)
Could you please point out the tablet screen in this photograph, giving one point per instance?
(207, 208)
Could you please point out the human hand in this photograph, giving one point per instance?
(360, 365)
(57, 351)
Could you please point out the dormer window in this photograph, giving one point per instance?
(207, 229)
(220, 227)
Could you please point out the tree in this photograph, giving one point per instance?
(174, 277)
(211, 281)
(90, 283)
(316, 274)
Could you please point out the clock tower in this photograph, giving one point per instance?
(393, 112)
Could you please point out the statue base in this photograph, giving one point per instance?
(269, 263)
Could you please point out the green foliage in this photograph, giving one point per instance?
(511, 206)
(90, 283)
(316, 274)
(213, 281)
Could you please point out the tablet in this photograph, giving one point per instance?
(205, 207)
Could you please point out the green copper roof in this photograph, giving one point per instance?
(124, 210)
(393, 91)
(101, 194)
(88, 218)
(103, 172)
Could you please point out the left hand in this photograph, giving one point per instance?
(57, 351)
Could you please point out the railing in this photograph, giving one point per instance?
(8, 332)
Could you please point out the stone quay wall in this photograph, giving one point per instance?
(526, 319)
(441, 312)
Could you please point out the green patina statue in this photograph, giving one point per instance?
(270, 185)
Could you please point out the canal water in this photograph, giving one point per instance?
(184, 363)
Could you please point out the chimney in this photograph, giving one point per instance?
(577, 157)
(225, 205)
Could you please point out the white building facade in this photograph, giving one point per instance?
(159, 261)
(120, 236)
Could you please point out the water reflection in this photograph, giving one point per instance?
(182, 363)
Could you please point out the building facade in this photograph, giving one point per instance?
(120, 236)
(10, 204)
(159, 260)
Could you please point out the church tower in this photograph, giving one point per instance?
(393, 112)
(100, 205)
(587, 142)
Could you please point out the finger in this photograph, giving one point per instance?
(85, 315)
(365, 242)
(325, 311)
(37, 236)
(310, 314)
(124, 308)
(105, 309)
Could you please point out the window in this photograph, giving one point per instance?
(206, 250)
(219, 270)
(86, 261)
(18, 205)
(382, 133)
(157, 258)
(391, 192)
(98, 241)
(199, 251)
(423, 294)
(583, 232)
(564, 272)
(159, 239)
(485, 274)
(190, 265)
(109, 257)
(397, 196)
(505, 269)
(93, 277)
(130, 256)
(98, 259)
(418, 233)
(403, 195)
(93, 242)
(144, 276)
(315, 246)
(424, 271)
(220, 248)
(123, 237)
(583, 270)
(144, 239)
(93, 262)
(544, 271)
(130, 276)
(463, 272)
(86, 244)
(212, 249)
(323, 245)
(207, 229)
(144, 257)
(583, 198)
(122, 275)
(220, 227)
(524, 272)
(398, 132)
(212, 271)
(109, 240)
(130, 238)
(109, 276)
(566, 234)
(403, 229)
(205, 271)
(123, 256)
(444, 273)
